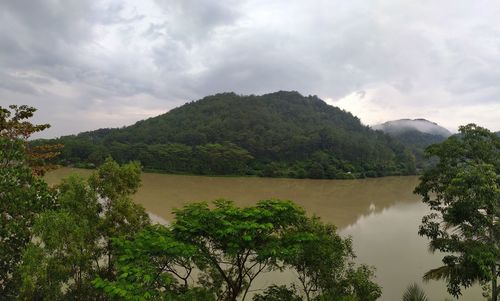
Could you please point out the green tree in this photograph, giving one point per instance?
(463, 193)
(154, 266)
(23, 195)
(230, 247)
(236, 244)
(325, 268)
(72, 242)
(361, 285)
(278, 293)
(222, 159)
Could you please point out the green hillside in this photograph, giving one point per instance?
(282, 134)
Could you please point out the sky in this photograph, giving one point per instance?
(106, 63)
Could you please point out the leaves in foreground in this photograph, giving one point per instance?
(414, 293)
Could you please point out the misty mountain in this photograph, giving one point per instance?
(416, 134)
(282, 134)
(398, 127)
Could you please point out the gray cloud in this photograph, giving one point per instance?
(90, 64)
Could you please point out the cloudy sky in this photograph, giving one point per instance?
(92, 64)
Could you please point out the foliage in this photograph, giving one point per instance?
(22, 194)
(414, 293)
(321, 263)
(325, 269)
(15, 131)
(230, 247)
(463, 192)
(235, 244)
(361, 284)
(278, 293)
(154, 266)
(417, 142)
(72, 242)
(282, 134)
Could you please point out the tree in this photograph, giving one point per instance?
(72, 244)
(278, 293)
(154, 266)
(325, 268)
(236, 244)
(463, 193)
(114, 184)
(15, 131)
(221, 159)
(23, 195)
(360, 284)
(230, 247)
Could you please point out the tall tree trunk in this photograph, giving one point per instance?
(235, 294)
(232, 294)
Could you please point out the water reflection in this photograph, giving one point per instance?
(388, 240)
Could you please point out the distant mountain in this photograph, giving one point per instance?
(416, 134)
(398, 127)
(282, 134)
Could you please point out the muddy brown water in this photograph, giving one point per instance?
(381, 215)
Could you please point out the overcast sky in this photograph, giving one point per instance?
(92, 64)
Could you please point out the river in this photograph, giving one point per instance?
(381, 215)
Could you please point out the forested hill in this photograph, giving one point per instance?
(278, 134)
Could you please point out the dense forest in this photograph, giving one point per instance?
(282, 134)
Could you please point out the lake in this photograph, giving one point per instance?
(382, 215)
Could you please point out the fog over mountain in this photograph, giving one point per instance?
(396, 127)
(415, 134)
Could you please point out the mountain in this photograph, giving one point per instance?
(398, 127)
(281, 134)
(416, 134)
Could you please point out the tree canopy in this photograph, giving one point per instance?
(463, 193)
(72, 244)
(230, 247)
(23, 195)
